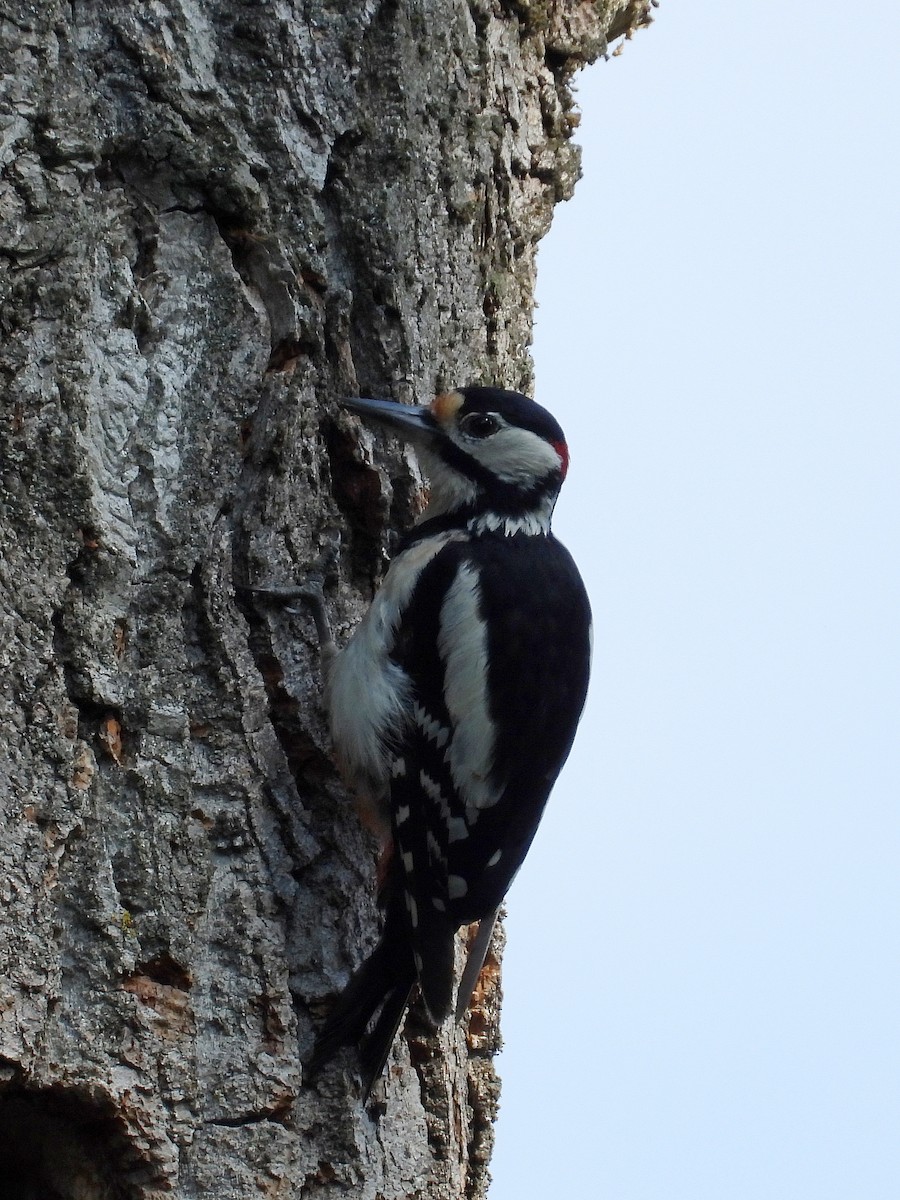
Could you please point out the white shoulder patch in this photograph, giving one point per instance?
(462, 644)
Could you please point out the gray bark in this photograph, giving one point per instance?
(216, 218)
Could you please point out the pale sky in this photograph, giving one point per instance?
(702, 980)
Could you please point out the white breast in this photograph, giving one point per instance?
(367, 694)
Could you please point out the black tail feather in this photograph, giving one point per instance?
(384, 981)
(380, 987)
(347, 1021)
(437, 951)
(478, 949)
(375, 1047)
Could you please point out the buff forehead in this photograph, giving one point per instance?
(445, 407)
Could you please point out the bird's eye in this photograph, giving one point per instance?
(479, 424)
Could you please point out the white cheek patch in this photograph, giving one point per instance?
(514, 455)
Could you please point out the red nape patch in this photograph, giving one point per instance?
(563, 451)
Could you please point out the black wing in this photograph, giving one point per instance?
(496, 643)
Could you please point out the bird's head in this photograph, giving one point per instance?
(488, 453)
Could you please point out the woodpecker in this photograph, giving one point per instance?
(455, 703)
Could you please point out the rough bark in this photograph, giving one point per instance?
(216, 218)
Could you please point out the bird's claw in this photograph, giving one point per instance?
(311, 592)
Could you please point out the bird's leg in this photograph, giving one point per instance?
(311, 593)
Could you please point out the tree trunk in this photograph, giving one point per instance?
(217, 217)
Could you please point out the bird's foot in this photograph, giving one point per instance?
(311, 592)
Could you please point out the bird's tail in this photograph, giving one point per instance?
(382, 985)
(375, 1046)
